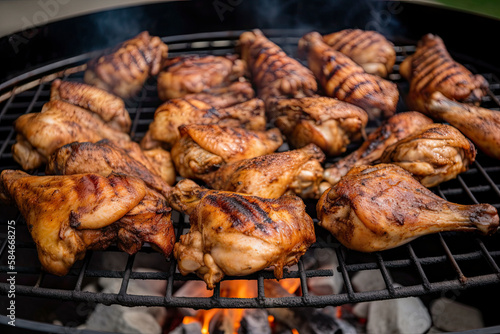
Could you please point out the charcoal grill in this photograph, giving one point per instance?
(446, 263)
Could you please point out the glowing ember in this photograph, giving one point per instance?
(294, 331)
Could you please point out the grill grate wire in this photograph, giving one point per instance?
(420, 257)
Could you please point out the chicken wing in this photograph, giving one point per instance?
(104, 157)
(293, 172)
(480, 125)
(194, 74)
(59, 123)
(379, 207)
(124, 70)
(110, 108)
(342, 78)
(326, 122)
(392, 130)
(237, 234)
(204, 148)
(369, 49)
(435, 154)
(431, 69)
(273, 72)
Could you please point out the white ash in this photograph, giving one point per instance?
(451, 316)
(327, 259)
(368, 280)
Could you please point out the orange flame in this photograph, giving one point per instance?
(294, 331)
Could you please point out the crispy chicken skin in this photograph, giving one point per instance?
(110, 108)
(176, 112)
(431, 69)
(124, 70)
(369, 49)
(480, 125)
(194, 74)
(342, 78)
(104, 157)
(59, 123)
(204, 148)
(374, 208)
(297, 172)
(435, 154)
(326, 122)
(273, 72)
(237, 234)
(392, 130)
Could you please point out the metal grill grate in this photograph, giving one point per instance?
(435, 263)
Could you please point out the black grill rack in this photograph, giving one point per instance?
(432, 264)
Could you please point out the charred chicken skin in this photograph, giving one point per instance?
(436, 153)
(326, 122)
(431, 69)
(297, 172)
(237, 234)
(369, 49)
(480, 125)
(205, 148)
(110, 108)
(342, 78)
(59, 123)
(194, 74)
(374, 208)
(124, 70)
(392, 130)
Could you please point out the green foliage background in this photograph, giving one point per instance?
(486, 7)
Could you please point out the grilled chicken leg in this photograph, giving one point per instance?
(480, 125)
(379, 207)
(272, 175)
(342, 78)
(236, 234)
(329, 123)
(432, 69)
(204, 148)
(392, 130)
(369, 49)
(435, 154)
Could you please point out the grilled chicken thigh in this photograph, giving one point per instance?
(59, 123)
(435, 154)
(273, 72)
(379, 207)
(110, 108)
(431, 69)
(124, 70)
(105, 157)
(342, 78)
(296, 172)
(194, 74)
(204, 148)
(392, 130)
(480, 125)
(176, 112)
(369, 49)
(237, 234)
(329, 123)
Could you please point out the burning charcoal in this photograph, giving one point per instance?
(404, 315)
(137, 322)
(189, 328)
(255, 322)
(452, 316)
(327, 259)
(192, 289)
(368, 280)
(361, 310)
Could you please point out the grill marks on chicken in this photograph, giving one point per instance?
(125, 69)
(194, 74)
(273, 175)
(326, 122)
(273, 72)
(236, 234)
(435, 154)
(342, 78)
(431, 69)
(369, 49)
(382, 207)
(204, 148)
(110, 108)
(391, 131)
(59, 123)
